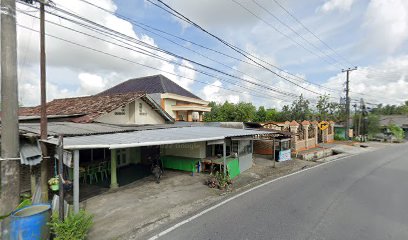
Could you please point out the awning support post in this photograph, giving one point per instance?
(224, 152)
(76, 181)
(114, 180)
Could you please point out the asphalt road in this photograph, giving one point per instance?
(360, 197)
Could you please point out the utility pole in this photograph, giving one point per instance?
(10, 159)
(348, 99)
(43, 120)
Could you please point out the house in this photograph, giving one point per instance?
(111, 140)
(399, 120)
(127, 108)
(84, 116)
(179, 103)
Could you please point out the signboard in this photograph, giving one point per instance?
(284, 155)
(323, 125)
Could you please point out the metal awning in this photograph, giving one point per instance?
(153, 137)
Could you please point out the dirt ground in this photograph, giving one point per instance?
(133, 210)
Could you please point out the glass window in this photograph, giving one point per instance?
(140, 107)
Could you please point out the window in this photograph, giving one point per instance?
(141, 109)
(121, 157)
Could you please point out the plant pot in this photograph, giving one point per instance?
(54, 187)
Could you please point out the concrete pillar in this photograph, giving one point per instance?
(306, 125)
(294, 129)
(189, 116)
(76, 181)
(201, 116)
(114, 180)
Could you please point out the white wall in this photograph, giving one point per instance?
(148, 115)
(117, 116)
(194, 150)
(126, 115)
(168, 103)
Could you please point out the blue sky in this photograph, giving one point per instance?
(370, 34)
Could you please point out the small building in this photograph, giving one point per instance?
(183, 148)
(399, 120)
(179, 103)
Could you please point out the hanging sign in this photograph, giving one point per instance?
(323, 125)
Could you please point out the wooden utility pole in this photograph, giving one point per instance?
(10, 159)
(348, 100)
(43, 121)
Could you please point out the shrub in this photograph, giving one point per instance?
(219, 180)
(74, 227)
(396, 131)
(339, 138)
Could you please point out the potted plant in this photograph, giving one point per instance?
(54, 183)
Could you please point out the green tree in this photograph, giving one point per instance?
(244, 112)
(373, 124)
(300, 109)
(272, 115)
(260, 115)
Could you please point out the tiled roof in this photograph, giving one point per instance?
(150, 84)
(91, 107)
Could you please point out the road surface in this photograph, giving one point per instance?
(359, 197)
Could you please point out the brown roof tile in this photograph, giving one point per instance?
(91, 107)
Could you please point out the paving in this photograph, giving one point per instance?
(356, 197)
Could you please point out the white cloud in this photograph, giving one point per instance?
(91, 83)
(332, 5)
(384, 83)
(72, 70)
(215, 92)
(385, 25)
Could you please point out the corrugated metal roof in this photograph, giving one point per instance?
(154, 137)
(30, 154)
(77, 129)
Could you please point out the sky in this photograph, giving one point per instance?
(308, 43)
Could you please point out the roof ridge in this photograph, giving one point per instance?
(162, 83)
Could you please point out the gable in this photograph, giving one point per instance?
(136, 112)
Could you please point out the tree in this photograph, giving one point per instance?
(260, 115)
(244, 112)
(272, 115)
(323, 107)
(373, 124)
(300, 109)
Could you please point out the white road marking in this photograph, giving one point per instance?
(240, 194)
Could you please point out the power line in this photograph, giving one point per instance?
(311, 32)
(290, 28)
(144, 65)
(173, 62)
(147, 27)
(235, 48)
(263, 86)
